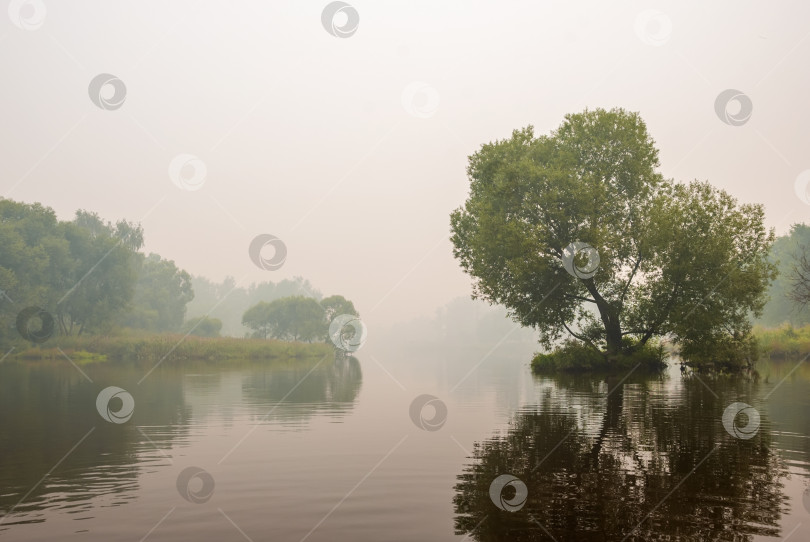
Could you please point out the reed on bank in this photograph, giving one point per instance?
(169, 347)
(783, 342)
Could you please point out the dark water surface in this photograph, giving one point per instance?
(327, 450)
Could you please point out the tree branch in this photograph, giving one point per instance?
(581, 338)
(667, 308)
(800, 281)
(572, 296)
(629, 280)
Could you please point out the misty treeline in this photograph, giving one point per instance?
(296, 318)
(92, 278)
(789, 293)
(83, 272)
(227, 303)
(462, 321)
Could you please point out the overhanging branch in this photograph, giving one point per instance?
(581, 338)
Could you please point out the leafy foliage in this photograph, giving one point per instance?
(80, 271)
(228, 302)
(685, 261)
(90, 275)
(296, 318)
(787, 254)
(784, 342)
(161, 294)
(335, 305)
(203, 326)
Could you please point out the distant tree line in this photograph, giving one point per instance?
(296, 318)
(91, 278)
(227, 302)
(84, 272)
(790, 291)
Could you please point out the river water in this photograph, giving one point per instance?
(401, 443)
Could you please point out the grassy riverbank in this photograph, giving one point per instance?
(781, 343)
(784, 342)
(171, 347)
(574, 357)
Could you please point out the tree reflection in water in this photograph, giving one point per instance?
(48, 418)
(648, 460)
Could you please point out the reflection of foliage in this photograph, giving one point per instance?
(332, 384)
(46, 409)
(625, 467)
(788, 408)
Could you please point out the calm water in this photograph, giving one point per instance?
(326, 450)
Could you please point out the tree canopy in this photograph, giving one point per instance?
(789, 254)
(579, 235)
(81, 272)
(228, 302)
(297, 318)
(162, 292)
(203, 326)
(88, 275)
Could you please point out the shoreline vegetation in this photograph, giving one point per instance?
(576, 357)
(84, 289)
(784, 342)
(781, 343)
(169, 347)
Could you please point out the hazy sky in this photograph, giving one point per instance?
(352, 150)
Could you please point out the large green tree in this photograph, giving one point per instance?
(228, 302)
(260, 319)
(161, 294)
(335, 305)
(79, 271)
(684, 260)
(34, 255)
(100, 282)
(295, 318)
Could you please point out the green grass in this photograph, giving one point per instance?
(172, 347)
(576, 357)
(784, 342)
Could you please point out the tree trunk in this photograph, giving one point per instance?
(613, 334)
(610, 319)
